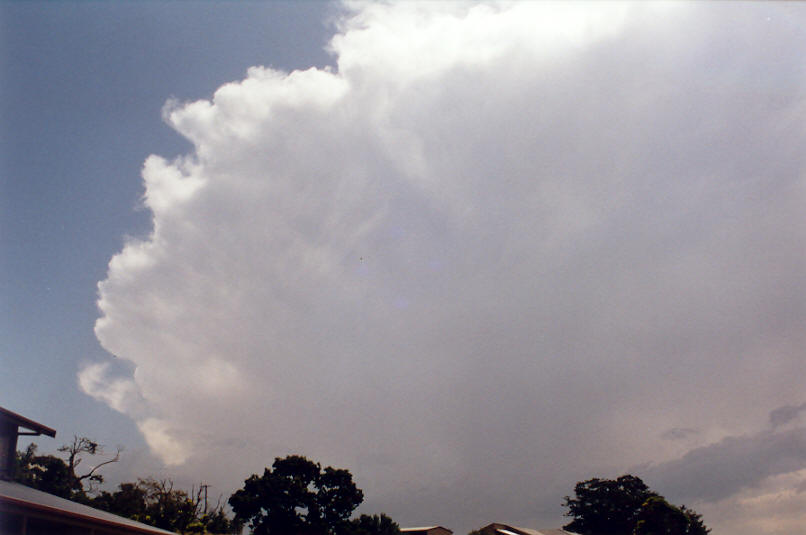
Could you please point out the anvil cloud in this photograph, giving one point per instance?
(493, 250)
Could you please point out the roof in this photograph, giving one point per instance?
(28, 498)
(22, 421)
(507, 532)
(505, 529)
(539, 531)
(424, 528)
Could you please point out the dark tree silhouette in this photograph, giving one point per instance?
(54, 475)
(659, 517)
(626, 506)
(297, 497)
(373, 525)
(156, 502)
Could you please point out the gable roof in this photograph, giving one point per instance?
(505, 529)
(424, 529)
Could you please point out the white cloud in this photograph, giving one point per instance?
(495, 250)
(162, 439)
(119, 393)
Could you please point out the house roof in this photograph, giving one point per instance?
(505, 529)
(21, 421)
(55, 507)
(424, 528)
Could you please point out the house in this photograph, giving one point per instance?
(27, 511)
(429, 530)
(10, 424)
(505, 529)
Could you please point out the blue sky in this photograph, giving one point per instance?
(83, 86)
(475, 253)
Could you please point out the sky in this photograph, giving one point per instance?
(474, 253)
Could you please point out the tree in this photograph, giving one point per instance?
(43, 472)
(129, 501)
(158, 503)
(606, 506)
(75, 452)
(54, 475)
(626, 506)
(151, 501)
(373, 525)
(659, 517)
(297, 497)
(695, 524)
(217, 521)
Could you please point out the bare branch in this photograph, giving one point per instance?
(114, 459)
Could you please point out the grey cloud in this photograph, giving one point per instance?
(785, 414)
(678, 433)
(720, 470)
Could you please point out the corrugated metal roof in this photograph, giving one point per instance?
(529, 531)
(17, 494)
(514, 530)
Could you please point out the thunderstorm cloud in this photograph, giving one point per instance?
(494, 249)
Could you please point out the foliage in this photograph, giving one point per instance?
(696, 526)
(627, 506)
(373, 525)
(151, 501)
(129, 501)
(54, 475)
(218, 522)
(606, 506)
(43, 472)
(297, 497)
(157, 503)
(659, 517)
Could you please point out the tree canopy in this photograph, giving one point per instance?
(659, 517)
(151, 501)
(297, 497)
(373, 525)
(626, 506)
(158, 503)
(54, 475)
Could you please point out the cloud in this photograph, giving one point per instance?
(160, 438)
(721, 470)
(678, 433)
(784, 415)
(491, 251)
(119, 393)
(775, 507)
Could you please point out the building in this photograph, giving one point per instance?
(505, 529)
(27, 511)
(10, 424)
(428, 530)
